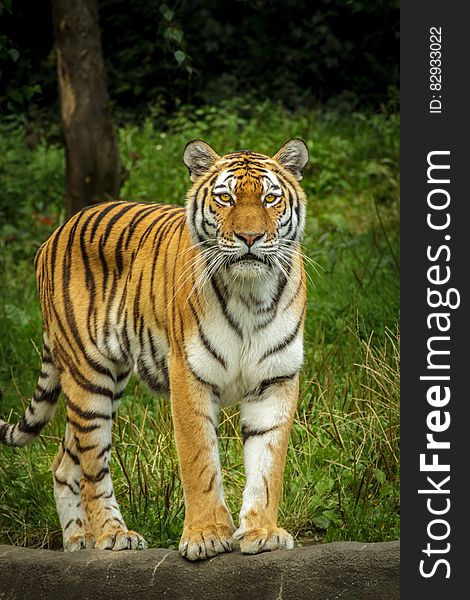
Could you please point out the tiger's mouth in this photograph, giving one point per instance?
(249, 265)
(248, 257)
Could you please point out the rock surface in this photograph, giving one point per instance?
(341, 570)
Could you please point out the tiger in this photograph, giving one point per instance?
(205, 302)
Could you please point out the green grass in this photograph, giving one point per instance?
(342, 472)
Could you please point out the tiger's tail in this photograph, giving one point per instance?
(40, 410)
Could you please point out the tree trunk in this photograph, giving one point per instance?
(93, 166)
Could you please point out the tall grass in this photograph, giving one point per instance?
(342, 471)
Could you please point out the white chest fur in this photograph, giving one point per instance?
(251, 336)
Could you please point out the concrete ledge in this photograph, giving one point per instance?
(346, 570)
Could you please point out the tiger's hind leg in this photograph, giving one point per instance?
(77, 534)
(91, 402)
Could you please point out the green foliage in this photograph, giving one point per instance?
(342, 473)
(23, 54)
(204, 51)
(32, 183)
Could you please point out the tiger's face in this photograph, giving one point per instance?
(246, 211)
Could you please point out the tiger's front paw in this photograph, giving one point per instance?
(79, 541)
(199, 544)
(263, 539)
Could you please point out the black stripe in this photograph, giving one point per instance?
(104, 495)
(3, 433)
(266, 487)
(202, 211)
(125, 338)
(152, 380)
(96, 478)
(136, 308)
(211, 484)
(118, 396)
(55, 243)
(165, 235)
(118, 254)
(64, 482)
(63, 356)
(114, 219)
(110, 520)
(291, 220)
(100, 214)
(160, 236)
(140, 216)
(170, 286)
(104, 267)
(89, 277)
(73, 456)
(205, 341)
(274, 306)
(163, 214)
(87, 385)
(295, 294)
(123, 300)
(129, 231)
(263, 386)
(277, 296)
(209, 179)
(120, 378)
(221, 297)
(247, 432)
(68, 525)
(68, 306)
(96, 366)
(109, 304)
(285, 342)
(86, 261)
(86, 414)
(31, 428)
(103, 451)
(49, 396)
(83, 449)
(82, 428)
(160, 362)
(207, 418)
(213, 387)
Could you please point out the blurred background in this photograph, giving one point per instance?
(298, 52)
(148, 76)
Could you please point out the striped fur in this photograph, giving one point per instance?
(206, 302)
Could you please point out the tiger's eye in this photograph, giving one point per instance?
(225, 197)
(269, 198)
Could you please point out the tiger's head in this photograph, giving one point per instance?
(246, 211)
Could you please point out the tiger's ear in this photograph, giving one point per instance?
(293, 156)
(199, 158)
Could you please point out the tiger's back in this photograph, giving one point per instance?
(104, 298)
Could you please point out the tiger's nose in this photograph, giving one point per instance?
(248, 237)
